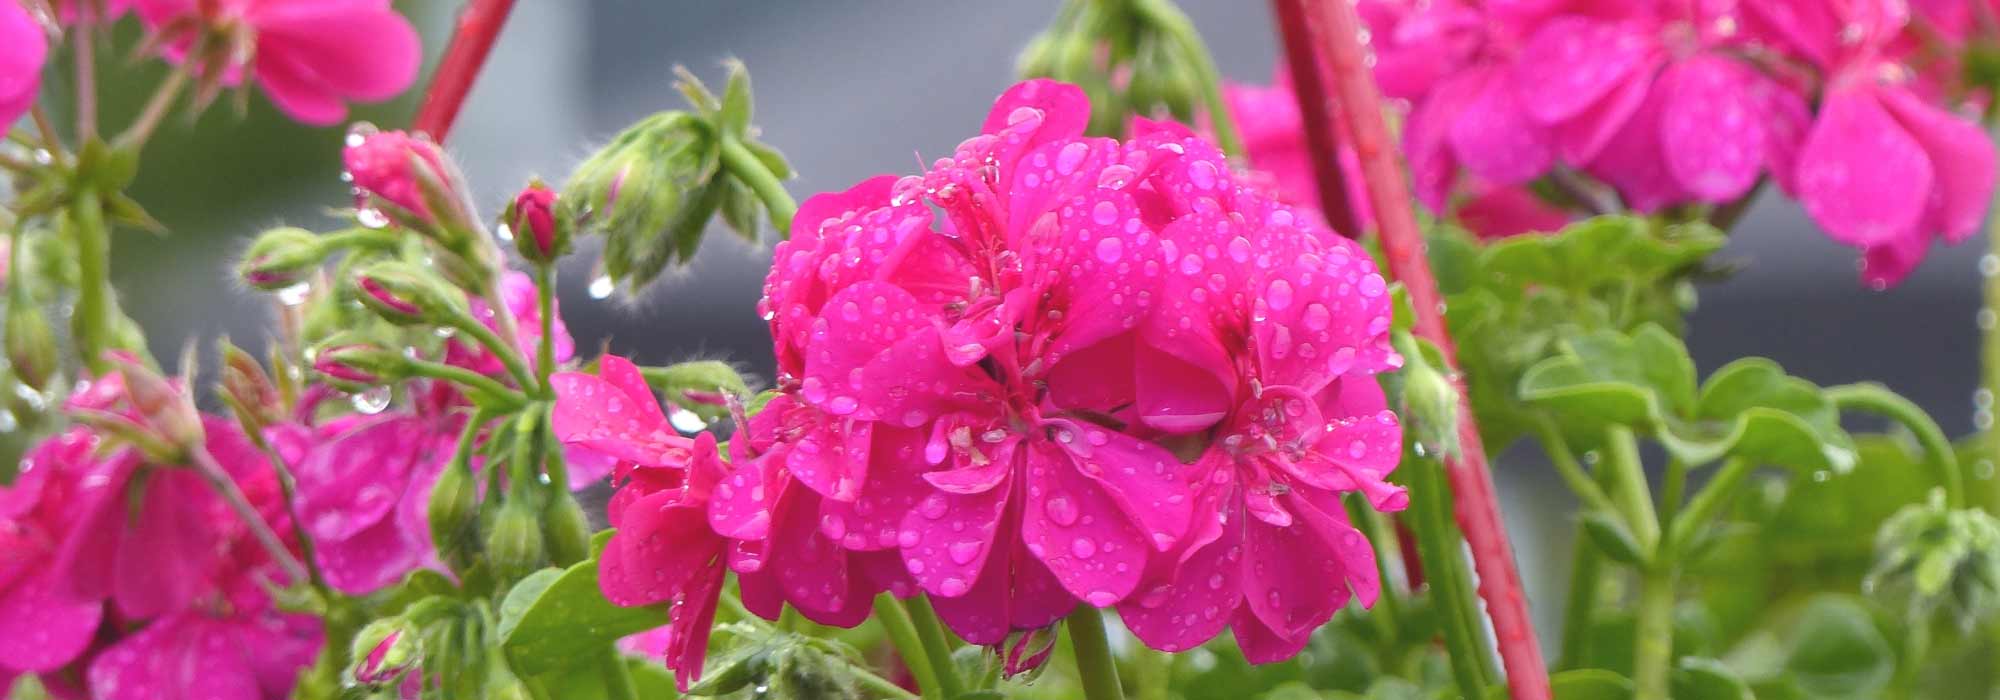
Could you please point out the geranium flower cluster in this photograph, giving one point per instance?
(1048, 371)
(1675, 103)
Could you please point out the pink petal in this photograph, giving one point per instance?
(365, 561)
(947, 540)
(895, 485)
(351, 482)
(1861, 175)
(168, 554)
(813, 573)
(1292, 580)
(1718, 137)
(1103, 267)
(1496, 211)
(1573, 62)
(606, 417)
(23, 49)
(664, 548)
(42, 627)
(1186, 610)
(832, 458)
(1585, 135)
(1427, 138)
(1178, 396)
(1055, 172)
(1260, 643)
(1961, 156)
(1634, 160)
(1887, 265)
(1096, 378)
(355, 50)
(1323, 513)
(1808, 26)
(1324, 315)
(740, 506)
(875, 355)
(180, 657)
(1495, 139)
(1060, 111)
(1362, 443)
(1786, 118)
(1075, 527)
(1143, 479)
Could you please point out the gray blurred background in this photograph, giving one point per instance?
(854, 88)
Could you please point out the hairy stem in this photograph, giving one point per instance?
(746, 167)
(1478, 509)
(466, 379)
(1580, 608)
(154, 112)
(1706, 503)
(471, 41)
(1628, 486)
(1444, 566)
(1094, 664)
(545, 304)
(903, 634)
(90, 321)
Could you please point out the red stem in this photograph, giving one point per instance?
(1298, 26)
(1477, 510)
(478, 26)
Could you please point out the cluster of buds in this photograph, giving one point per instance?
(652, 191)
(1940, 558)
(1159, 66)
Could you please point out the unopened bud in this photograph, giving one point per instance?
(514, 546)
(384, 651)
(405, 294)
(280, 258)
(359, 365)
(643, 188)
(1024, 651)
(567, 529)
(248, 389)
(1939, 559)
(31, 343)
(539, 233)
(165, 409)
(1430, 399)
(452, 513)
(408, 179)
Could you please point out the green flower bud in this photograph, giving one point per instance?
(453, 513)
(358, 365)
(405, 294)
(1937, 558)
(1430, 398)
(514, 546)
(384, 651)
(280, 258)
(567, 530)
(804, 673)
(642, 189)
(30, 342)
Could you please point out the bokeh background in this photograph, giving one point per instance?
(853, 88)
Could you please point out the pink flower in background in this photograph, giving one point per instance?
(23, 49)
(519, 292)
(43, 625)
(233, 646)
(311, 57)
(1882, 169)
(98, 11)
(1275, 142)
(363, 487)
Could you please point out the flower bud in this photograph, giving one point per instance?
(452, 513)
(1430, 399)
(641, 189)
(539, 233)
(248, 389)
(1938, 558)
(358, 365)
(165, 409)
(405, 294)
(514, 546)
(567, 530)
(383, 651)
(1024, 651)
(31, 343)
(280, 258)
(408, 179)
(803, 672)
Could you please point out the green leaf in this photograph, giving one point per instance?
(735, 114)
(1580, 684)
(1698, 678)
(1752, 409)
(1610, 378)
(1612, 538)
(1836, 651)
(553, 619)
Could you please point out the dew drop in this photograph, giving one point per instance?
(601, 287)
(372, 401)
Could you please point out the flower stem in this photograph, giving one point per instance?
(1478, 509)
(149, 118)
(931, 633)
(1301, 32)
(90, 321)
(903, 634)
(1586, 567)
(1705, 504)
(545, 304)
(84, 48)
(1580, 481)
(1628, 486)
(47, 128)
(509, 356)
(746, 167)
(1094, 664)
(1874, 398)
(471, 41)
(466, 378)
(881, 685)
(295, 572)
(1653, 645)
(1387, 613)
(1444, 567)
(618, 683)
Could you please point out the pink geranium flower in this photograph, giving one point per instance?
(43, 625)
(23, 49)
(311, 57)
(363, 487)
(1882, 169)
(1275, 142)
(234, 645)
(664, 552)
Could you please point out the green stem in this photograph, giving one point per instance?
(1989, 333)
(1580, 608)
(1706, 503)
(468, 379)
(618, 683)
(931, 633)
(1628, 486)
(903, 634)
(218, 479)
(1152, 673)
(746, 167)
(881, 685)
(522, 472)
(1387, 613)
(790, 620)
(509, 354)
(1441, 549)
(154, 112)
(1874, 398)
(1653, 645)
(1572, 471)
(545, 305)
(1673, 492)
(1094, 664)
(90, 322)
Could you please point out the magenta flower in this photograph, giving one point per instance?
(43, 625)
(1882, 169)
(1657, 102)
(234, 646)
(23, 48)
(311, 57)
(363, 486)
(1275, 141)
(664, 552)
